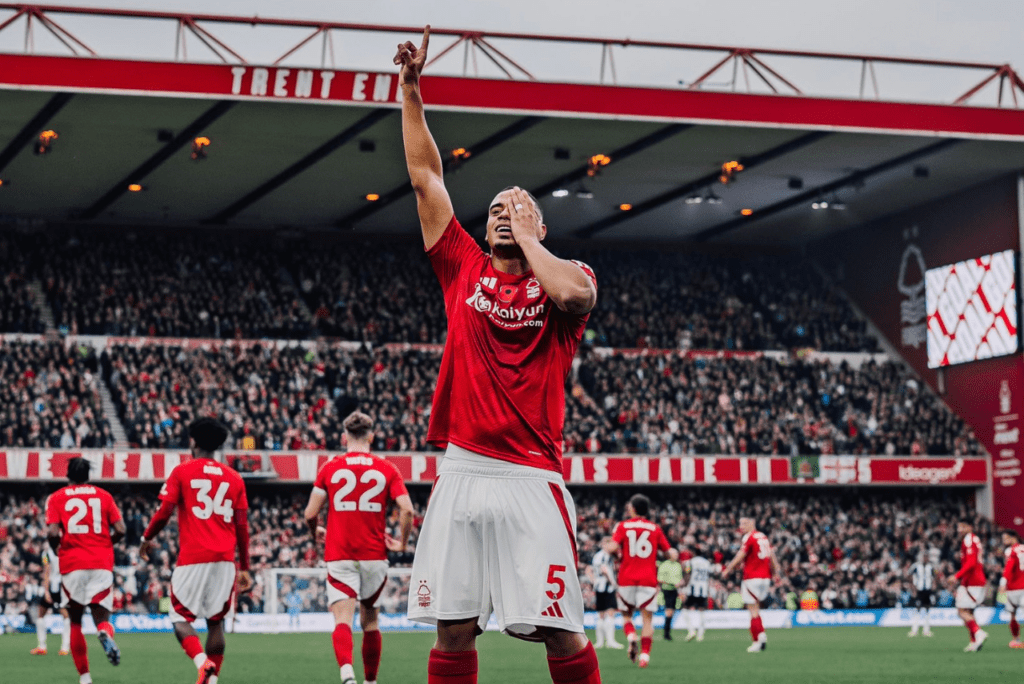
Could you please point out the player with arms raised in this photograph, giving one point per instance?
(1013, 582)
(971, 577)
(84, 524)
(499, 534)
(212, 520)
(639, 540)
(359, 487)
(760, 566)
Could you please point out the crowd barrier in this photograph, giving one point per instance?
(259, 623)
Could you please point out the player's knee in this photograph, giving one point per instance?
(456, 636)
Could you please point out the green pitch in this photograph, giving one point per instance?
(795, 656)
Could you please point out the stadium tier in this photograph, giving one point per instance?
(276, 397)
(260, 286)
(853, 549)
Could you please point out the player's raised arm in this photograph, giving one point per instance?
(421, 156)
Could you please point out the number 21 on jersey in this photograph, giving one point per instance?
(79, 509)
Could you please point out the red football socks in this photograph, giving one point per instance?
(192, 646)
(580, 668)
(629, 630)
(106, 627)
(217, 660)
(371, 654)
(79, 651)
(1014, 626)
(972, 627)
(756, 628)
(645, 645)
(343, 644)
(452, 668)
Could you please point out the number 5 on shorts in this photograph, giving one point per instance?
(557, 581)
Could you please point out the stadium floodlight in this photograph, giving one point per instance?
(837, 205)
(560, 192)
(712, 198)
(694, 199)
(135, 187)
(3, 182)
(584, 193)
(199, 146)
(746, 212)
(45, 141)
(372, 197)
(625, 207)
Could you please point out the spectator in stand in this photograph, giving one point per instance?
(18, 310)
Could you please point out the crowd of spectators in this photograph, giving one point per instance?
(289, 396)
(49, 396)
(854, 549)
(18, 311)
(260, 286)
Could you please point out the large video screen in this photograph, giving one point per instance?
(972, 309)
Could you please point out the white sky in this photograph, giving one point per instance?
(973, 30)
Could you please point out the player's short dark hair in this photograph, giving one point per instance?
(1012, 533)
(358, 425)
(209, 433)
(78, 470)
(641, 505)
(540, 212)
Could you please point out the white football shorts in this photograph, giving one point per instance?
(1015, 597)
(969, 597)
(497, 537)
(363, 580)
(755, 590)
(637, 598)
(202, 590)
(88, 587)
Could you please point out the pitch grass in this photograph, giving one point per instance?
(795, 656)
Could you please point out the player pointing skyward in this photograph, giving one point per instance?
(500, 530)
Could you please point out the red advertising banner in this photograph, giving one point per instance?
(380, 89)
(302, 467)
(882, 267)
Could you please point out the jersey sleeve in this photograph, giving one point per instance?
(396, 486)
(969, 559)
(1011, 560)
(171, 491)
(321, 479)
(241, 498)
(52, 512)
(448, 254)
(619, 535)
(113, 512)
(748, 545)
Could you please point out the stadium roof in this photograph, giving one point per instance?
(302, 146)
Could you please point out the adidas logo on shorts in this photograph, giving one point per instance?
(554, 610)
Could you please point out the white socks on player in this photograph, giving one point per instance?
(609, 635)
(700, 623)
(41, 631)
(65, 636)
(85, 679)
(199, 660)
(599, 632)
(347, 673)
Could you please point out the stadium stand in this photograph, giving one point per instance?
(18, 311)
(49, 396)
(218, 286)
(855, 548)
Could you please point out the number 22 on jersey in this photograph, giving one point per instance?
(366, 501)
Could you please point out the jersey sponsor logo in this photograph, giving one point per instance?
(911, 473)
(510, 317)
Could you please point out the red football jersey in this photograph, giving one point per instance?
(207, 494)
(757, 563)
(501, 385)
(1014, 571)
(359, 487)
(639, 539)
(971, 573)
(85, 513)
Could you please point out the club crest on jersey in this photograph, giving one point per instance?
(423, 594)
(532, 288)
(506, 293)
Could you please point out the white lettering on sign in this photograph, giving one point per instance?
(688, 470)
(1011, 436)
(325, 84)
(419, 466)
(764, 470)
(382, 88)
(600, 469)
(709, 470)
(641, 469)
(304, 83)
(259, 82)
(281, 83)
(576, 472)
(664, 469)
(236, 79)
(359, 86)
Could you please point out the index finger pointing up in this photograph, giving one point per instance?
(426, 38)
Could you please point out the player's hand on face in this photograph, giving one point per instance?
(244, 582)
(412, 59)
(146, 548)
(393, 544)
(525, 220)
